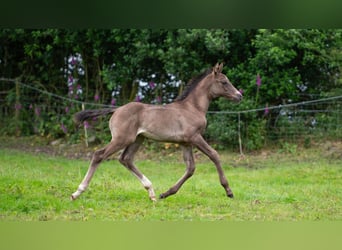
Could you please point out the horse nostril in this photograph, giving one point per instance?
(239, 96)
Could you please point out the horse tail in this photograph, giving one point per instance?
(87, 114)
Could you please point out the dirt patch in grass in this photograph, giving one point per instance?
(35, 144)
(59, 147)
(331, 150)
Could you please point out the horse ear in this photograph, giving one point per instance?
(218, 68)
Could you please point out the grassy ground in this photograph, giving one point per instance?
(301, 185)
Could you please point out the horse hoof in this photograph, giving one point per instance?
(230, 195)
(162, 196)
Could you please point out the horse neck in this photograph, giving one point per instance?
(199, 98)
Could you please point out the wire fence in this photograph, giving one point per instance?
(26, 109)
(299, 123)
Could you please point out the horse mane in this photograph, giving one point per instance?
(191, 85)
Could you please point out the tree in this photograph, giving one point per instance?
(281, 66)
(116, 66)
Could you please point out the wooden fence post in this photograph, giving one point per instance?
(85, 130)
(17, 108)
(239, 132)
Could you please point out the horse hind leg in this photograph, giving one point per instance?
(98, 157)
(126, 159)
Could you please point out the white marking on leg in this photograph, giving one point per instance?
(146, 182)
(81, 188)
(148, 186)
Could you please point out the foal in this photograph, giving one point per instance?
(182, 122)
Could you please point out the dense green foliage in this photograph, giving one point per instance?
(270, 67)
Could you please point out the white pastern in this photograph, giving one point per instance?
(146, 182)
(148, 185)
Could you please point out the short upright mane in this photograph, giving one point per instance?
(192, 84)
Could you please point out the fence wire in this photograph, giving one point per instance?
(313, 119)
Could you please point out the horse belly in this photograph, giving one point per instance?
(163, 130)
(161, 135)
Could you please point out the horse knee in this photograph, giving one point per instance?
(98, 156)
(215, 157)
(124, 159)
(191, 171)
(190, 167)
(97, 160)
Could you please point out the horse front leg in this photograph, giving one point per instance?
(190, 169)
(204, 147)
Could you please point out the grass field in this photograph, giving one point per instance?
(277, 186)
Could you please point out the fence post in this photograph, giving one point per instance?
(85, 130)
(239, 134)
(17, 107)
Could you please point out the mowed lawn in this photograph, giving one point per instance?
(272, 187)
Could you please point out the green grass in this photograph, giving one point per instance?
(276, 187)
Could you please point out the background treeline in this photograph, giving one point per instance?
(113, 67)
